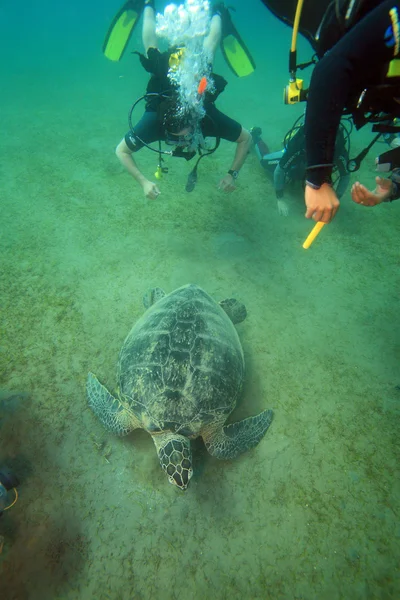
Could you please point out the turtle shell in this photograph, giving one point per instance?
(181, 367)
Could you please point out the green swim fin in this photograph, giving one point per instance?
(233, 48)
(121, 28)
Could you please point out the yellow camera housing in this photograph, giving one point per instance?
(293, 92)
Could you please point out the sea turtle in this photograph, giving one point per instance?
(180, 371)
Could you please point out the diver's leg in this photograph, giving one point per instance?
(269, 160)
(149, 27)
(213, 39)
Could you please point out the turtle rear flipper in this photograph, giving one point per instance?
(152, 296)
(232, 440)
(235, 310)
(116, 417)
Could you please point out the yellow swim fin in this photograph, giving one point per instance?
(121, 28)
(233, 48)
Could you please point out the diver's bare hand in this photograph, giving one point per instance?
(361, 195)
(322, 204)
(227, 184)
(150, 190)
(283, 208)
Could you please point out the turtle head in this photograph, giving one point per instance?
(175, 457)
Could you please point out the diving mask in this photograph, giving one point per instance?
(183, 141)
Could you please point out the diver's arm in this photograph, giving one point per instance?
(361, 49)
(124, 154)
(279, 180)
(149, 37)
(126, 159)
(213, 39)
(243, 145)
(279, 186)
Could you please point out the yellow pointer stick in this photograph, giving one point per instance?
(313, 234)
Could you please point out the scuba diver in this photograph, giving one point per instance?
(289, 164)
(357, 44)
(180, 97)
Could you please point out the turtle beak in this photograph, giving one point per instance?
(181, 480)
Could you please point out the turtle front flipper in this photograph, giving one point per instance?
(114, 415)
(235, 310)
(232, 440)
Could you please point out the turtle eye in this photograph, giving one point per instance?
(186, 477)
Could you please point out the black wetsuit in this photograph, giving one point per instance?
(149, 129)
(215, 123)
(293, 162)
(359, 59)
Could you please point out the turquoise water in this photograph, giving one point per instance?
(312, 512)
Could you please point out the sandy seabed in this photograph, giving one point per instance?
(312, 512)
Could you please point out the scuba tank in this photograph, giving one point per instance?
(339, 17)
